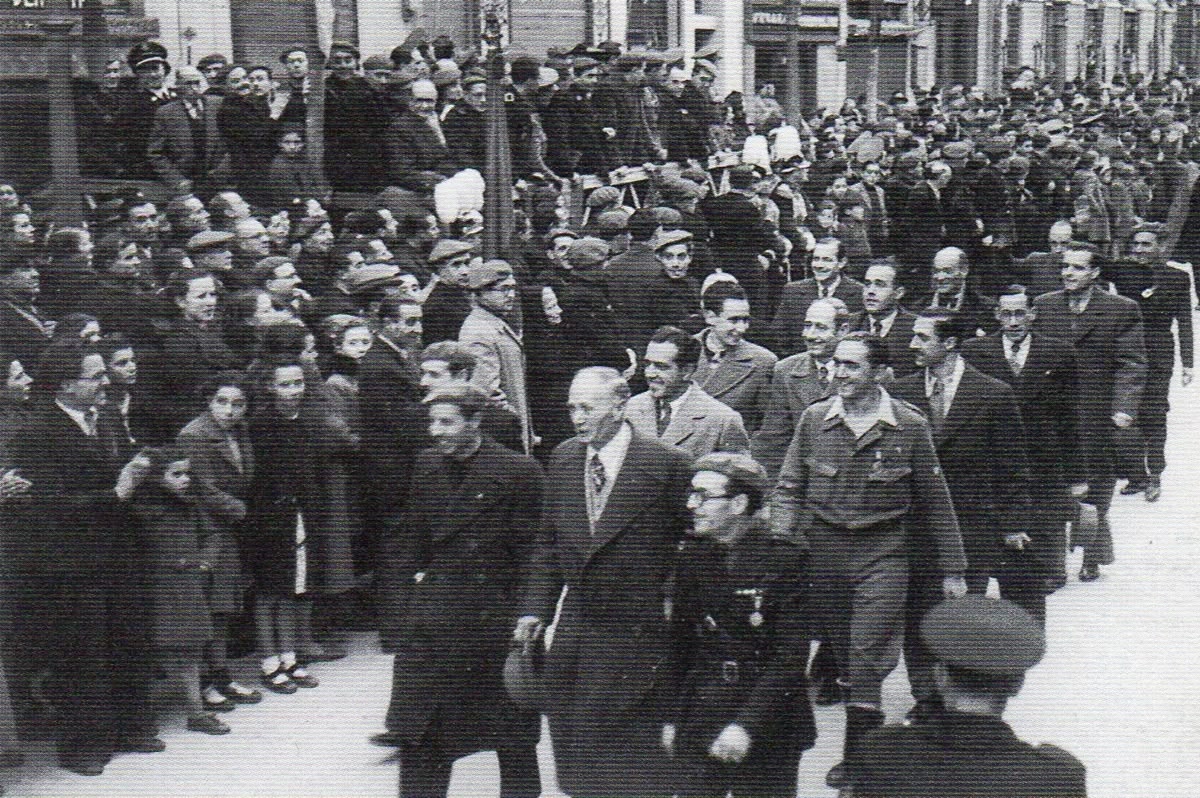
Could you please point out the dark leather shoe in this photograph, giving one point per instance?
(1134, 487)
(147, 744)
(1089, 573)
(239, 693)
(301, 677)
(89, 764)
(386, 740)
(207, 723)
(279, 682)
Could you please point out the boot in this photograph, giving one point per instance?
(859, 722)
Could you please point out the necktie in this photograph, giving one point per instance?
(664, 415)
(1014, 357)
(874, 326)
(596, 475)
(937, 404)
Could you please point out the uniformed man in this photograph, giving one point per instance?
(742, 716)
(983, 647)
(860, 475)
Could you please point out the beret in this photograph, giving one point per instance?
(608, 223)
(740, 467)
(487, 273)
(588, 251)
(377, 62)
(370, 276)
(210, 241)
(988, 636)
(448, 248)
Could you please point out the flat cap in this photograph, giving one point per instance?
(957, 150)
(265, 268)
(371, 276)
(988, 636)
(668, 237)
(448, 248)
(587, 252)
(740, 467)
(608, 223)
(681, 189)
(487, 273)
(210, 241)
(376, 62)
(603, 196)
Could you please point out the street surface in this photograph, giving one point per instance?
(1119, 688)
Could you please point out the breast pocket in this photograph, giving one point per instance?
(887, 488)
(821, 477)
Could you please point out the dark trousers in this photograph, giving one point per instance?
(98, 706)
(1019, 584)
(924, 593)
(1143, 448)
(763, 774)
(425, 772)
(1100, 494)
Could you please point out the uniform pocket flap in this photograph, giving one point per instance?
(889, 474)
(820, 468)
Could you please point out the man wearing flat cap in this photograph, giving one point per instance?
(668, 295)
(355, 125)
(983, 648)
(741, 717)
(589, 333)
(500, 370)
(446, 301)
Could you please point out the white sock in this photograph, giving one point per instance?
(270, 664)
(288, 659)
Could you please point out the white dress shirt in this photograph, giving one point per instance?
(884, 414)
(1018, 350)
(949, 384)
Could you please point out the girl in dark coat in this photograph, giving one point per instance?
(172, 524)
(218, 446)
(284, 510)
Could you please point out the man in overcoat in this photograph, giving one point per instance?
(731, 368)
(613, 515)
(1106, 331)
(450, 578)
(185, 143)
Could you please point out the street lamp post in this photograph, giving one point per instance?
(66, 200)
(876, 8)
(498, 176)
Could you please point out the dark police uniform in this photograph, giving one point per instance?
(969, 755)
(743, 644)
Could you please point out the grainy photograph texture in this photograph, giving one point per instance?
(599, 398)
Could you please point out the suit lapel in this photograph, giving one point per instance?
(636, 483)
(736, 367)
(685, 421)
(964, 406)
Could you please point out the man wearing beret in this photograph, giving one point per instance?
(741, 717)
(500, 371)
(983, 648)
(860, 480)
(355, 124)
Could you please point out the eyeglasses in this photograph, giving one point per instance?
(697, 497)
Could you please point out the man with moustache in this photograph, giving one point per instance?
(1106, 331)
(828, 281)
(613, 515)
(800, 380)
(450, 578)
(882, 315)
(860, 484)
(1042, 373)
(675, 410)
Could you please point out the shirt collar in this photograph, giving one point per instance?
(951, 382)
(885, 413)
(84, 419)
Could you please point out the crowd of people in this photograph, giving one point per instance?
(741, 384)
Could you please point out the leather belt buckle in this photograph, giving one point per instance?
(730, 672)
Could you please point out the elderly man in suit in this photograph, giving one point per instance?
(675, 410)
(980, 444)
(614, 513)
(828, 263)
(417, 154)
(800, 380)
(884, 317)
(1041, 371)
(731, 368)
(77, 568)
(950, 291)
(498, 348)
(1106, 331)
(185, 144)
(450, 579)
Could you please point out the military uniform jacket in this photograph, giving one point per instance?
(964, 756)
(742, 643)
(870, 487)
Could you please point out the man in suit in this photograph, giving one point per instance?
(675, 410)
(983, 648)
(742, 718)
(185, 144)
(1106, 331)
(860, 486)
(950, 291)
(875, 196)
(77, 570)
(924, 230)
(449, 582)
(613, 516)
(449, 364)
(882, 315)
(417, 155)
(1041, 371)
(1042, 271)
(731, 368)
(1164, 295)
(800, 380)
(980, 445)
(828, 263)
(24, 332)
(498, 348)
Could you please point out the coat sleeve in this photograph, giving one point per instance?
(1129, 354)
(787, 501)
(933, 506)
(543, 578)
(158, 151)
(220, 504)
(1183, 315)
(487, 366)
(733, 437)
(1006, 454)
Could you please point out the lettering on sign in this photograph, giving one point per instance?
(76, 5)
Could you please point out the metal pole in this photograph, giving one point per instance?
(63, 191)
(498, 176)
(873, 64)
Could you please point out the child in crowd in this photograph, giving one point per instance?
(292, 174)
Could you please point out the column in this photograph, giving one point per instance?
(1073, 60)
(1033, 24)
(831, 77)
(734, 52)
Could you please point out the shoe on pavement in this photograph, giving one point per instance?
(387, 740)
(1133, 487)
(301, 677)
(145, 744)
(1089, 573)
(215, 701)
(279, 682)
(207, 723)
(239, 693)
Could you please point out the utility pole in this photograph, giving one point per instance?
(497, 172)
(876, 7)
(64, 193)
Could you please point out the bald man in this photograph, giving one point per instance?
(417, 155)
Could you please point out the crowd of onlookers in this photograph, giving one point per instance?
(212, 386)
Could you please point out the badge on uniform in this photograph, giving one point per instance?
(1149, 292)
(756, 593)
